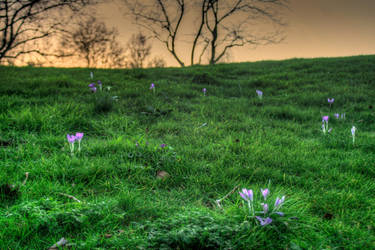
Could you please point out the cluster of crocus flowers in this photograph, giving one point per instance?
(93, 88)
(72, 139)
(248, 196)
(325, 128)
(259, 93)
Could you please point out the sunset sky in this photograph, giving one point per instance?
(316, 28)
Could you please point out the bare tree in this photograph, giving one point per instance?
(23, 22)
(228, 24)
(157, 62)
(90, 40)
(162, 18)
(222, 24)
(139, 49)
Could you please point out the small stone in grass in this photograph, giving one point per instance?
(162, 175)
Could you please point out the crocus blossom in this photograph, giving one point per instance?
(78, 137)
(163, 145)
(71, 140)
(330, 101)
(353, 133)
(264, 222)
(204, 91)
(247, 194)
(265, 193)
(91, 85)
(152, 87)
(325, 124)
(279, 201)
(93, 89)
(260, 93)
(265, 208)
(337, 115)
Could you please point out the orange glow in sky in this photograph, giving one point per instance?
(316, 28)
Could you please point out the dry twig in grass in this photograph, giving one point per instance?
(70, 197)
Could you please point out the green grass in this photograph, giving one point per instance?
(246, 142)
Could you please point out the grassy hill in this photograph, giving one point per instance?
(153, 162)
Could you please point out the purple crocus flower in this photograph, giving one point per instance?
(91, 85)
(265, 208)
(71, 138)
(337, 116)
(163, 145)
(265, 193)
(137, 144)
(330, 101)
(325, 118)
(247, 194)
(264, 222)
(204, 91)
(279, 201)
(260, 93)
(93, 89)
(152, 86)
(78, 137)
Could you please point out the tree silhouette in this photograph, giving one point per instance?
(222, 24)
(139, 49)
(91, 40)
(157, 62)
(23, 22)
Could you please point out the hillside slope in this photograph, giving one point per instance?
(153, 162)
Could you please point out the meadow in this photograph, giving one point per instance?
(153, 162)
